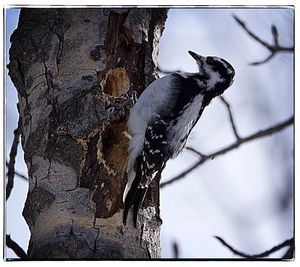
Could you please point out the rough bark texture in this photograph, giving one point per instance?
(71, 68)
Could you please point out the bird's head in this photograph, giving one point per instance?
(217, 71)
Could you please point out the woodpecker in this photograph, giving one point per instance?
(162, 119)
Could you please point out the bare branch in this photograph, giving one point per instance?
(275, 34)
(266, 132)
(290, 253)
(273, 48)
(11, 164)
(195, 151)
(16, 248)
(175, 250)
(254, 36)
(262, 61)
(22, 176)
(289, 242)
(230, 117)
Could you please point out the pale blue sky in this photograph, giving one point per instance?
(15, 224)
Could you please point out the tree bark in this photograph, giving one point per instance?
(71, 68)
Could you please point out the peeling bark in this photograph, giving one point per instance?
(72, 68)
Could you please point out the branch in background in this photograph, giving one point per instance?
(266, 132)
(233, 126)
(12, 159)
(201, 155)
(175, 250)
(273, 48)
(16, 248)
(290, 252)
(289, 242)
(22, 176)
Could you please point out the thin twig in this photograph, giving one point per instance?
(262, 61)
(16, 248)
(175, 250)
(271, 130)
(290, 253)
(233, 126)
(273, 48)
(288, 242)
(22, 176)
(12, 159)
(196, 151)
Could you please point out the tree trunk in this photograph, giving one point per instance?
(72, 68)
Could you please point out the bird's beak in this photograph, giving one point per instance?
(196, 56)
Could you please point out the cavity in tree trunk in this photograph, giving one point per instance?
(72, 68)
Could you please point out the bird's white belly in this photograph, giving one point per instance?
(184, 124)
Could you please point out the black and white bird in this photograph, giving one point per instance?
(162, 119)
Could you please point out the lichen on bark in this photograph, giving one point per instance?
(72, 68)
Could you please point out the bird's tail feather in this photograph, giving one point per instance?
(139, 199)
(134, 198)
(128, 203)
(135, 195)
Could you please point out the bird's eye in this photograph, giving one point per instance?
(209, 60)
